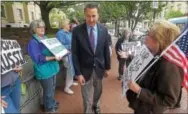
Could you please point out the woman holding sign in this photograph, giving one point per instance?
(46, 65)
(122, 47)
(160, 87)
(65, 37)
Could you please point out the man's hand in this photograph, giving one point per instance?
(3, 103)
(81, 80)
(134, 86)
(17, 68)
(107, 73)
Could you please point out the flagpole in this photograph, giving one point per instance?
(157, 58)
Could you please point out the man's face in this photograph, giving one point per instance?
(91, 16)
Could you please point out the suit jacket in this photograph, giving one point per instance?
(161, 87)
(84, 59)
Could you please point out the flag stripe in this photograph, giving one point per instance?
(171, 59)
(183, 57)
(176, 54)
(173, 53)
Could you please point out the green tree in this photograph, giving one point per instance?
(173, 14)
(138, 11)
(76, 11)
(47, 6)
(112, 12)
(131, 11)
(55, 16)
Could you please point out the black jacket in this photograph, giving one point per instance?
(84, 59)
(118, 48)
(160, 88)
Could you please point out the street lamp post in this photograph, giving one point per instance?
(154, 6)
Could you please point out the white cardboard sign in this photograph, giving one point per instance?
(11, 55)
(55, 47)
(132, 48)
(139, 62)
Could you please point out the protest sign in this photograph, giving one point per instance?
(11, 55)
(139, 62)
(133, 48)
(55, 47)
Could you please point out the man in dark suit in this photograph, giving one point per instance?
(91, 57)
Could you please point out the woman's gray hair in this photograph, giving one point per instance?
(63, 22)
(35, 24)
(126, 31)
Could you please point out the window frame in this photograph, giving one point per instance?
(21, 18)
(5, 13)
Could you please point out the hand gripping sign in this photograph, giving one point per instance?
(139, 62)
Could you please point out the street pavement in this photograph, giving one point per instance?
(111, 100)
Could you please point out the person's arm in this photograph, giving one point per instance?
(109, 39)
(107, 53)
(36, 54)
(168, 87)
(116, 47)
(75, 53)
(3, 102)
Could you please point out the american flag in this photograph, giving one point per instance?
(177, 53)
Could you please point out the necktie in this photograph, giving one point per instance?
(92, 38)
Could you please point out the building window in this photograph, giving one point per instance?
(32, 16)
(3, 11)
(19, 13)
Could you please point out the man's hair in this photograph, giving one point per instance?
(91, 5)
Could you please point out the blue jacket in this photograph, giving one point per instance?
(37, 51)
(65, 38)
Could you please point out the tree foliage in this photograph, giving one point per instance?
(131, 11)
(55, 16)
(111, 11)
(75, 11)
(47, 6)
(173, 14)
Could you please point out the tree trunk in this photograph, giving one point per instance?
(129, 22)
(136, 21)
(118, 23)
(45, 18)
(134, 26)
(116, 28)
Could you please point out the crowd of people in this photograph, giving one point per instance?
(89, 61)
